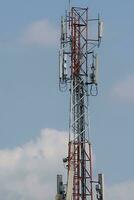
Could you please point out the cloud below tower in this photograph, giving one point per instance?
(28, 172)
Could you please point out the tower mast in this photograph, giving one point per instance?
(78, 69)
(81, 157)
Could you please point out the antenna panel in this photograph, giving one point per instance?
(65, 64)
(96, 68)
(100, 29)
(62, 65)
(101, 182)
(63, 29)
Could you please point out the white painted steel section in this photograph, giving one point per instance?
(70, 184)
(70, 179)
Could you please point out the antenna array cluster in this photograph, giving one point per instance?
(65, 53)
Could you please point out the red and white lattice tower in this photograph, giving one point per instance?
(78, 70)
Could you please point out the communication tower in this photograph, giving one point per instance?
(78, 68)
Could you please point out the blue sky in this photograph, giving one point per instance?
(29, 97)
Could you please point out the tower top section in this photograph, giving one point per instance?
(77, 55)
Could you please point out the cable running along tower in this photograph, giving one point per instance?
(78, 66)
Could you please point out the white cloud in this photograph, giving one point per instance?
(120, 191)
(40, 32)
(29, 172)
(124, 90)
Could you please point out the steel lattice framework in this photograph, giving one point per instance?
(79, 130)
(81, 75)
